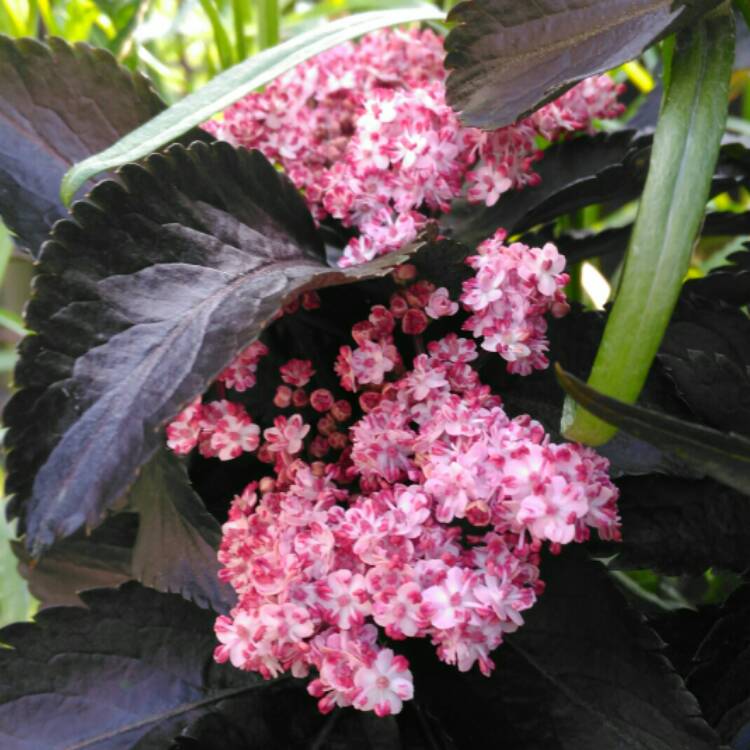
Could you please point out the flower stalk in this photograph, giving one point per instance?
(684, 154)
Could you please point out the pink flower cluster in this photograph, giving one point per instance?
(429, 527)
(426, 520)
(365, 132)
(221, 429)
(514, 286)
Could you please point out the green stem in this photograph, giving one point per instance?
(667, 53)
(268, 23)
(683, 158)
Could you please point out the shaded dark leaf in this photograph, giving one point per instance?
(80, 562)
(683, 630)
(612, 243)
(171, 548)
(645, 119)
(234, 728)
(583, 171)
(706, 352)
(724, 456)
(507, 58)
(444, 264)
(135, 670)
(681, 526)
(178, 539)
(729, 283)
(716, 388)
(721, 678)
(583, 673)
(210, 242)
(58, 105)
(584, 244)
(574, 173)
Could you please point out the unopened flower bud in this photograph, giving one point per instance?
(283, 397)
(414, 322)
(299, 398)
(321, 400)
(341, 411)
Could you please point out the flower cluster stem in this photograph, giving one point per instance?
(684, 154)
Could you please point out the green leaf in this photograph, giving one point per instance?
(15, 601)
(268, 23)
(509, 57)
(724, 456)
(232, 85)
(12, 321)
(686, 147)
(221, 38)
(6, 249)
(142, 299)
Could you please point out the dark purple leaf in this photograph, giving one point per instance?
(140, 301)
(507, 58)
(80, 562)
(604, 168)
(58, 105)
(169, 543)
(574, 173)
(583, 673)
(724, 456)
(728, 283)
(135, 671)
(706, 352)
(681, 526)
(175, 550)
(721, 677)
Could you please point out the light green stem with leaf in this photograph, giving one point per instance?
(686, 147)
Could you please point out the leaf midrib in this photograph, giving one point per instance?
(152, 360)
(177, 711)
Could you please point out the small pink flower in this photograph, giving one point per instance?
(297, 372)
(440, 305)
(286, 435)
(383, 686)
(344, 599)
(184, 430)
(450, 601)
